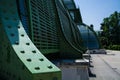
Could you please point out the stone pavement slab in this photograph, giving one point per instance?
(106, 66)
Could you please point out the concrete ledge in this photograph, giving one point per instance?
(74, 69)
(98, 51)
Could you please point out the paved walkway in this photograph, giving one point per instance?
(106, 66)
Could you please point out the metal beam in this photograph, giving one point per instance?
(19, 58)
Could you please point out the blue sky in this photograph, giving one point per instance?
(93, 11)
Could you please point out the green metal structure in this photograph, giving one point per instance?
(43, 28)
(32, 30)
(71, 41)
(88, 35)
(51, 28)
(19, 58)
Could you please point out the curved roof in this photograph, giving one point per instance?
(89, 37)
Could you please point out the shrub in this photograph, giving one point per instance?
(114, 47)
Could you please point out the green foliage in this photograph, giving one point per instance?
(114, 47)
(110, 27)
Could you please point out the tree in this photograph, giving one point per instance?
(111, 30)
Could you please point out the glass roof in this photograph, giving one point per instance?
(89, 38)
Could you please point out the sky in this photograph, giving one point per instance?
(94, 11)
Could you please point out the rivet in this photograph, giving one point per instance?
(41, 59)
(9, 26)
(37, 68)
(34, 51)
(50, 67)
(27, 43)
(22, 35)
(29, 60)
(12, 34)
(19, 27)
(22, 51)
(16, 42)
